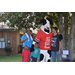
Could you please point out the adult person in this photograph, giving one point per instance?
(55, 45)
(27, 39)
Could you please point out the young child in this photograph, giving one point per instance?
(35, 53)
(25, 54)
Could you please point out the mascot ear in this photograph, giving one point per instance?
(43, 21)
(50, 21)
(60, 36)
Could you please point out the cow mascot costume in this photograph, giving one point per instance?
(43, 37)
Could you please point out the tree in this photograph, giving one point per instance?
(19, 19)
(72, 36)
(60, 22)
(26, 19)
(66, 30)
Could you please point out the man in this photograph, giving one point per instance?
(55, 46)
(27, 39)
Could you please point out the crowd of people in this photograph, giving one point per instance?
(29, 56)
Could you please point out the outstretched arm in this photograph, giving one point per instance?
(32, 47)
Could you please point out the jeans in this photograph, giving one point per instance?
(55, 55)
(34, 59)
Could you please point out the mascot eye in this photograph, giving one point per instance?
(43, 21)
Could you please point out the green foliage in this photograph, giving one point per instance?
(8, 49)
(24, 20)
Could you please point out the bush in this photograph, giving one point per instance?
(8, 50)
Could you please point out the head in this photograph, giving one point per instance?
(26, 47)
(46, 24)
(55, 29)
(29, 31)
(36, 45)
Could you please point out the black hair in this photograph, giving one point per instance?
(26, 45)
(55, 28)
(29, 30)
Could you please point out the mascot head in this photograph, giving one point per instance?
(46, 25)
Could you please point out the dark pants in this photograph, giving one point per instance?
(34, 59)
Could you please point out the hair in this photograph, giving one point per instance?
(55, 28)
(28, 29)
(37, 44)
(26, 45)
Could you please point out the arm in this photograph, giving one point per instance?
(39, 55)
(37, 39)
(29, 58)
(24, 40)
(59, 47)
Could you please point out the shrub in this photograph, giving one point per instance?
(8, 50)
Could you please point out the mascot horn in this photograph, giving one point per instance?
(43, 37)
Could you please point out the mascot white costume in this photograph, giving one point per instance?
(43, 37)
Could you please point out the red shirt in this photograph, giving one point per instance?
(44, 40)
(26, 54)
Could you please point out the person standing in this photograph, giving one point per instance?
(25, 54)
(27, 39)
(36, 53)
(55, 46)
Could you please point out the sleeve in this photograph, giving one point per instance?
(59, 38)
(23, 37)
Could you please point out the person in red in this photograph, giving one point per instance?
(25, 54)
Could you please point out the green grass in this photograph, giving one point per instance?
(11, 58)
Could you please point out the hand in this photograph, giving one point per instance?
(30, 58)
(59, 52)
(26, 39)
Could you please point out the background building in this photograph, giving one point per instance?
(9, 37)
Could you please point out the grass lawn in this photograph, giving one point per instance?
(12, 58)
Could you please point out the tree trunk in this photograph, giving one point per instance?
(66, 31)
(60, 22)
(72, 37)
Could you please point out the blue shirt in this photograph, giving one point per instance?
(26, 42)
(35, 53)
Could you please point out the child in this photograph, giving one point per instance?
(25, 54)
(35, 53)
